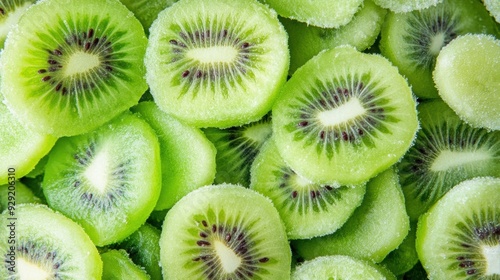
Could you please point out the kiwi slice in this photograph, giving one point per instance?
(459, 237)
(344, 117)
(22, 147)
(224, 232)
(16, 193)
(46, 245)
(146, 11)
(67, 69)
(306, 41)
(473, 97)
(376, 228)
(402, 6)
(446, 152)
(118, 266)
(321, 13)
(413, 40)
(217, 64)
(107, 180)
(405, 257)
(10, 12)
(236, 149)
(307, 209)
(187, 156)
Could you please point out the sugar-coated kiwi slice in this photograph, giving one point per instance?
(217, 63)
(10, 12)
(69, 68)
(402, 6)
(224, 232)
(321, 13)
(344, 117)
(16, 193)
(117, 265)
(405, 257)
(493, 6)
(413, 40)
(376, 228)
(307, 209)
(306, 41)
(22, 148)
(108, 180)
(459, 237)
(146, 11)
(446, 152)
(474, 97)
(187, 156)
(43, 244)
(236, 149)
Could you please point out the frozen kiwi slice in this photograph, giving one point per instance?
(118, 266)
(16, 193)
(187, 156)
(474, 97)
(306, 41)
(146, 11)
(339, 267)
(402, 6)
(217, 64)
(459, 238)
(224, 232)
(344, 117)
(68, 69)
(22, 148)
(306, 208)
(107, 180)
(413, 40)
(405, 257)
(43, 244)
(10, 12)
(236, 149)
(446, 152)
(321, 13)
(376, 228)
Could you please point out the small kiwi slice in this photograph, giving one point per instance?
(459, 237)
(307, 209)
(376, 228)
(43, 244)
(107, 180)
(236, 149)
(446, 152)
(473, 97)
(16, 193)
(118, 266)
(68, 69)
(224, 232)
(187, 156)
(344, 117)
(413, 40)
(405, 257)
(306, 41)
(339, 267)
(10, 12)
(403, 6)
(146, 11)
(217, 64)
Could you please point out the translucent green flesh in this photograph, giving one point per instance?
(12, 10)
(117, 265)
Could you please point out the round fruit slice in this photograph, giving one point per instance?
(224, 232)
(107, 180)
(344, 117)
(43, 244)
(216, 64)
(459, 238)
(68, 69)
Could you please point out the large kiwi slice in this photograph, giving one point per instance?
(217, 64)
(413, 40)
(224, 232)
(459, 238)
(344, 117)
(307, 209)
(107, 180)
(10, 12)
(69, 68)
(38, 243)
(446, 152)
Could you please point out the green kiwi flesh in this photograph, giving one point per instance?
(344, 117)
(67, 69)
(212, 67)
(403, 6)
(307, 209)
(10, 12)
(405, 257)
(459, 237)
(108, 180)
(187, 157)
(493, 7)
(376, 228)
(16, 193)
(224, 232)
(446, 152)
(47, 245)
(118, 266)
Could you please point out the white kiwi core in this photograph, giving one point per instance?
(449, 159)
(81, 62)
(258, 133)
(229, 260)
(97, 173)
(30, 271)
(302, 182)
(215, 54)
(437, 42)
(492, 256)
(345, 112)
